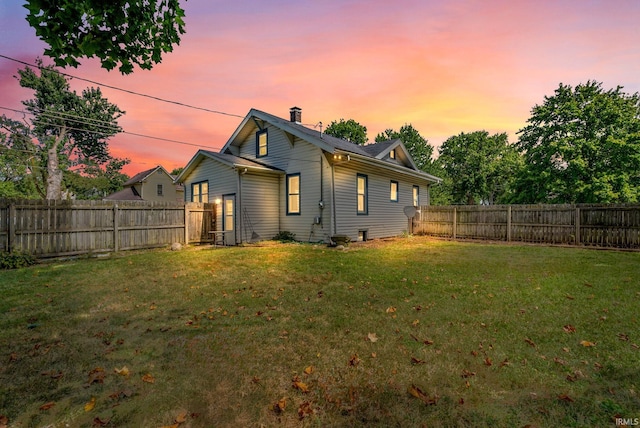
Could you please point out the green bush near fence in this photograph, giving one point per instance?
(15, 260)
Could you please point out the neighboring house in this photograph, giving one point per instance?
(154, 184)
(275, 175)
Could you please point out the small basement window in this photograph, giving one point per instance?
(362, 235)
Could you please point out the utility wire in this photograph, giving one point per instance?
(125, 90)
(81, 120)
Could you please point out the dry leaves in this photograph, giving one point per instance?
(569, 328)
(299, 385)
(587, 344)
(308, 370)
(96, 376)
(419, 394)
(371, 337)
(530, 342)
(280, 405)
(47, 406)
(124, 371)
(565, 398)
(305, 410)
(354, 360)
(148, 378)
(90, 405)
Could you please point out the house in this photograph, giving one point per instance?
(154, 184)
(275, 175)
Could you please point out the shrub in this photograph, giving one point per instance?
(16, 260)
(285, 236)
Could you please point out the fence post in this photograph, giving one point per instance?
(455, 215)
(186, 224)
(508, 223)
(577, 222)
(116, 234)
(11, 229)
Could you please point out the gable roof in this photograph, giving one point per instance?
(328, 143)
(126, 194)
(228, 159)
(141, 176)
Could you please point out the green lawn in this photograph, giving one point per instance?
(407, 332)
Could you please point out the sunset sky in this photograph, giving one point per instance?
(443, 66)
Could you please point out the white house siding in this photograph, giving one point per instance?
(278, 147)
(385, 218)
(303, 158)
(260, 202)
(222, 180)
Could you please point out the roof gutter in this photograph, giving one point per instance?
(396, 168)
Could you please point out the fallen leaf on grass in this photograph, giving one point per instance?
(415, 360)
(47, 406)
(170, 426)
(181, 418)
(623, 337)
(124, 371)
(466, 373)
(425, 341)
(587, 344)
(559, 361)
(419, 394)
(280, 405)
(565, 398)
(372, 337)
(308, 370)
(96, 375)
(300, 386)
(148, 378)
(97, 422)
(354, 360)
(488, 362)
(530, 342)
(304, 410)
(90, 405)
(505, 363)
(569, 328)
(391, 310)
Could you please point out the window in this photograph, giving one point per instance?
(293, 194)
(361, 190)
(228, 213)
(159, 189)
(416, 196)
(394, 191)
(261, 143)
(200, 192)
(392, 154)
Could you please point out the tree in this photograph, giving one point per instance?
(418, 146)
(582, 145)
(480, 166)
(96, 182)
(349, 130)
(20, 161)
(120, 33)
(71, 130)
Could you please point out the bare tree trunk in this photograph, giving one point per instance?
(54, 179)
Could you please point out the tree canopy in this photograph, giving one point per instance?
(349, 130)
(480, 167)
(582, 145)
(121, 33)
(67, 131)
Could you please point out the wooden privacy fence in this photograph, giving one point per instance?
(577, 224)
(65, 228)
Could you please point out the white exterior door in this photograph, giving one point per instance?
(229, 218)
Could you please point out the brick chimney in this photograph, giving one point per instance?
(296, 114)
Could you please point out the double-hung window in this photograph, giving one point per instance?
(159, 189)
(293, 194)
(361, 192)
(393, 194)
(262, 143)
(200, 191)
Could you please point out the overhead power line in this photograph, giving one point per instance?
(84, 121)
(126, 90)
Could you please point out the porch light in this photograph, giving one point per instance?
(217, 201)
